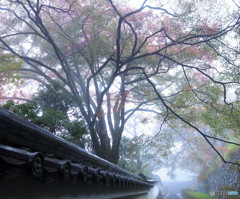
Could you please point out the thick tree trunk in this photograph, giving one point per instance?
(110, 153)
(114, 155)
(102, 147)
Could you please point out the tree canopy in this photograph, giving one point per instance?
(172, 60)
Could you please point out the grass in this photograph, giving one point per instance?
(190, 194)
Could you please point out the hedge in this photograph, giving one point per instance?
(190, 194)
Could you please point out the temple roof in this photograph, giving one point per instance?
(26, 148)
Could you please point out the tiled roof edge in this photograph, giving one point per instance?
(16, 131)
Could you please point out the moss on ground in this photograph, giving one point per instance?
(190, 194)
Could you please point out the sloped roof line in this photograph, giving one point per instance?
(16, 131)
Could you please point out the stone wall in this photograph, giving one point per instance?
(226, 176)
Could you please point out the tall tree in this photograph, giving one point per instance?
(107, 55)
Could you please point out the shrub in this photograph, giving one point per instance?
(190, 194)
(232, 150)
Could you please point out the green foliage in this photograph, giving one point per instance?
(10, 63)
(9, 68)
(27, 110)
(190, 194)
(231, 151)
(48, 118)
(143, 154)
(77, 131)
(77, 128)
(54, 96)
(49, 109)
(52, 119)
(222, 118)
(215, 113)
